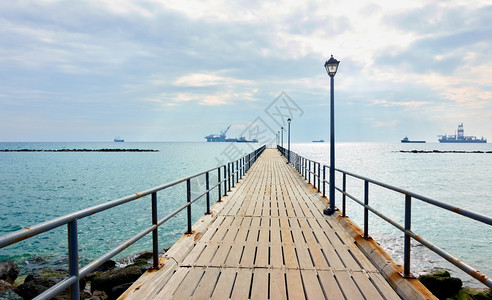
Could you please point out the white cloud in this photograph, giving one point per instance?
(203, 80)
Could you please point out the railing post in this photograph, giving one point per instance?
(309, 171)
(219, 185)
(207, 186)
(319, 177)
(155, 236)
(344, 197)
(229, 175)
(188, 198)
(407, 242)
(232, 174)
(366, 210)
(225, 180)
(324, 180)
(73, 258)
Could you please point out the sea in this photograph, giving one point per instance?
(39, 186)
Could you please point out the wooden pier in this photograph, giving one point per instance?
(268, 239)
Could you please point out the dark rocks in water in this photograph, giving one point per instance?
(98, 295)
(78, 150)
(108, 280)
(8, 271)
(442, 151)
(441, 284)
(8, 294)
(106, 266)
(35, 284)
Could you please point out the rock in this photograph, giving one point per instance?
(107, 280)
(441, 284)
(33, 286)
(8, 271)
(9, 295)
(467, 293)
(4, 286)
(98, 295)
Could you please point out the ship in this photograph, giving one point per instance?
(319, 141)
(118, 140)
(406, 140)
(215, 138)
(460, 137)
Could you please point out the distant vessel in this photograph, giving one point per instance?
(214, 138)
(118, 140)
(406, 140)
(460, 137)
(319, 141)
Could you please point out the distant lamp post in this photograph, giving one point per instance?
(282, 129)
(288, 153)
(331, 67)
(278, 137)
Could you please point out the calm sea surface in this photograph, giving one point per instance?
(39, 186)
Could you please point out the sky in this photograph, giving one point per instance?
(177, 70)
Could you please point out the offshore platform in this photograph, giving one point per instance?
(222, 138)
(460, 137)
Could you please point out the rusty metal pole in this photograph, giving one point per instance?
(366, 210)
(155, 236)
(188, 198)
(407, 241)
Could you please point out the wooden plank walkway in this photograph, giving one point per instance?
(268, 239)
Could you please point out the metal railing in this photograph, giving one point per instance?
(311, 171)
(227, 176)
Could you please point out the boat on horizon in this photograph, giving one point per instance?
(118, 140)
(460, 137)
(319, 141)
(406, 140)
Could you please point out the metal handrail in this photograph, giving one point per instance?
(75, 272)
(302, 164)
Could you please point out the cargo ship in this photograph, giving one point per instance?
(460, 137)
(406, 140)
(214, 138)
(319, 141)
(118, 140)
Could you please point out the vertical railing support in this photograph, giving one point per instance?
(319, 177)
(366, 210)
(219, 185)
(207, 186)
(188, 198)
(229, 175)
(309, 171)
(73, 258)
(407, 242)
(232, 174)
(155, 236)
(225, 180)
(344, 197)
(324, 180)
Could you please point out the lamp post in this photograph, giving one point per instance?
(331, 67)
(288, 153)
(282, 129)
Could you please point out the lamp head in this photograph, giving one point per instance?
(331, 66)
(288, 120)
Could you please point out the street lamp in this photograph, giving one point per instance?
(331, 67)
(282, 129)
(288, 153)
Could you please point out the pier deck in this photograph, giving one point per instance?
(268, 239)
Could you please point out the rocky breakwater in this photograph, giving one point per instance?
(106, 283)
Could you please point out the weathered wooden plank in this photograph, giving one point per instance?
(347, 285)
(207, 284)
(223, 289)
(312, 285)
(366, 286)
(294, 284)
(242, 284)
(259, 288)
(329, 285)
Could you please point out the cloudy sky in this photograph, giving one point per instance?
(165, 70)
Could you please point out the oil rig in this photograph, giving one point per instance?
(222, 138)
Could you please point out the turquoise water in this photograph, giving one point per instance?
(38, 186)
